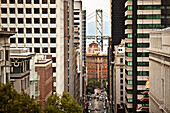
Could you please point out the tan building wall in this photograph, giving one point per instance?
(159, 60)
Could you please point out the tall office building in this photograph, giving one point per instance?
(40, 27)
(78, 43)
(151, 15)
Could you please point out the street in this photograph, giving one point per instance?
(97, 105)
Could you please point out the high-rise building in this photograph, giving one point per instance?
(159, 60)
(40, 27)
(151, 15)
(78, 43)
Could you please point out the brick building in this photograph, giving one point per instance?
(96, 62)
(44, 86)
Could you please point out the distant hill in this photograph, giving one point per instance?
(91, 28)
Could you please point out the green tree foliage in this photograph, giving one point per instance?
(62, 104)
(13, 102)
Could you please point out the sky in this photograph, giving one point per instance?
(92, 5)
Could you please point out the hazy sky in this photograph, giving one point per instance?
(92, 5)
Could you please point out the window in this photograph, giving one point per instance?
(4, 10)
(20, 40)
(130, 100)
(76, 18)
(36, 10)
(44, 21)
(20, 30)
(54, 60)
(44, 11)
(121, 98)
(37, 50)
(12, 10)
(7, 55)
(28, 10)
(20, 21)
(20, 1)
(121, 75)
(12, 20)
(4, 20)
(129, 82)
(45, 50)
(44, 1)
(52, 1)
(44, 30)
(54, 69)
(12, 40)
(29, 30)
(12, 1)
(52, 40)
(36, 1)
(121, 92)
(36, 20)
(30, 49)
(12, 29)
(28, 1)
(121, 81)
(52, 50)
(20, 10)
(36, 40)
(28, 40)
(121, 60)
(28, 20)
(36, 30)
(121, 87)
(44, 40)
(52, 30)
(76, 13)
(52, 11)
(121, 69)
(3, 1)
(52, 20)
(4, 29)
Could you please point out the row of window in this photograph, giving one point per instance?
(36, 30)
(139, 45)
(28, 20)
(145, 26)
(138, 63)
(139, 54)
(138, 35)
(28, 10)
(44, 50)
(29, 40)
(27, 1)
(139, 73)
(129, 82)
(154, 16)
(146, 7)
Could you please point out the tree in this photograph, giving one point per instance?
(62, 104)
(13, 102)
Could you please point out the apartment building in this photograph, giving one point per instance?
(151, 15)
(119, 73)
(4, 56)
(40, 27)
(159, 59)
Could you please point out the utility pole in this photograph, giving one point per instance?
(134, 52)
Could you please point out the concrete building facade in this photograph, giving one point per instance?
(5, 56)
(119, 73)
(40, 27)
(20, 69)
(159, 59)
